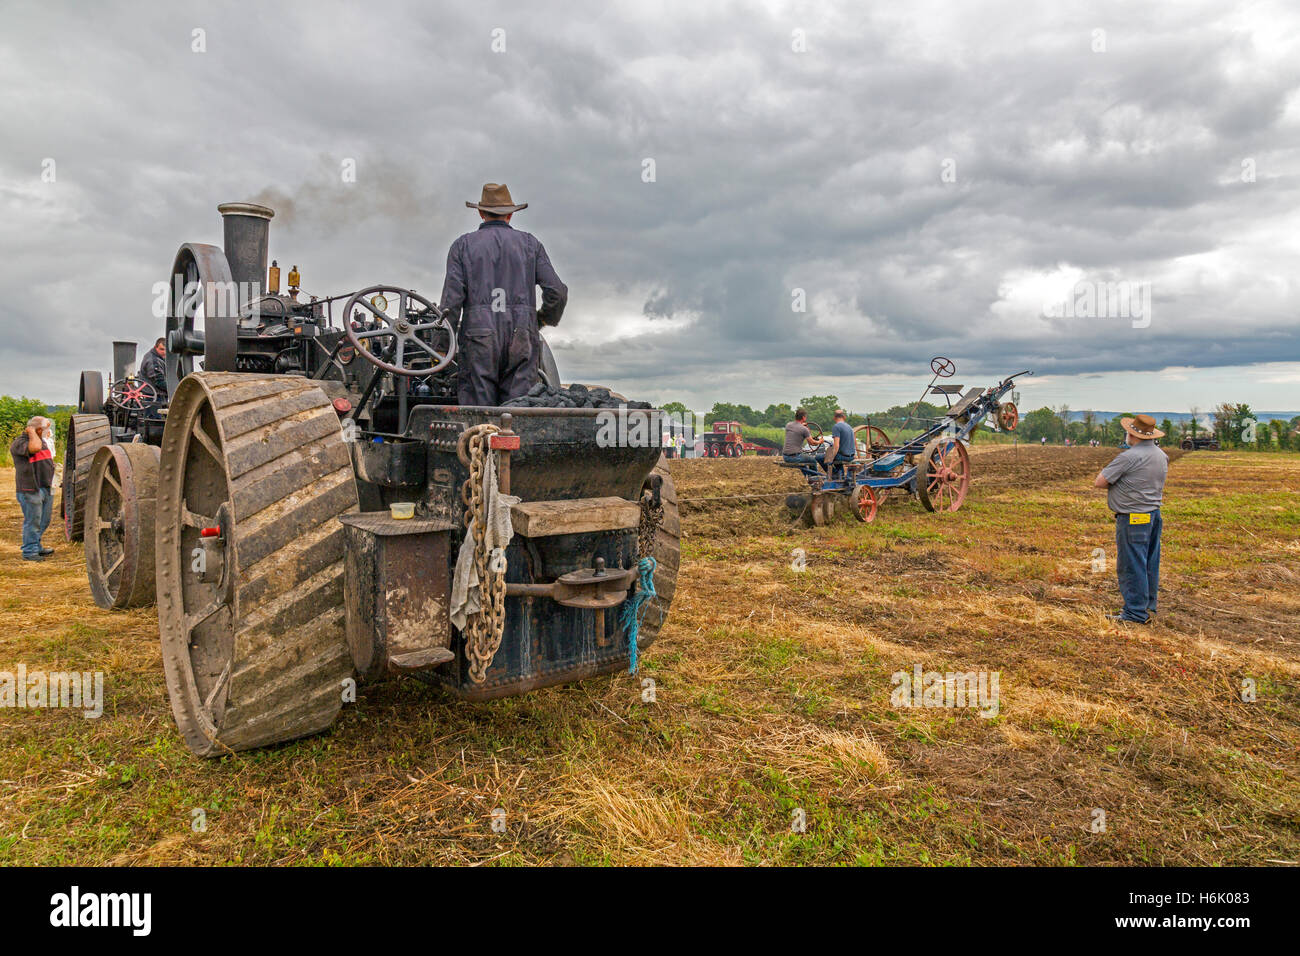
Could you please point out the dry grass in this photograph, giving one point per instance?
(771, 695)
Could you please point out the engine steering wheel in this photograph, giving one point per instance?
(403, 329)
(133, 394)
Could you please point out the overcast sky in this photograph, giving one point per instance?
(927, 179)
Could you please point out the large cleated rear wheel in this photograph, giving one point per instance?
(87, 434)
(667, 552)
(119, 525)
(254, 475)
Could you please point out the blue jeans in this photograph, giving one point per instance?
(836, 467)
(1138, 565)
(36, 507)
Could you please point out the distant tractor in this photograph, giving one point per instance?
(1199, 443)
(312, 490)
(724, 440)
(727, 440)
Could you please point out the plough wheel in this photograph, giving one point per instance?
(119, 525)
(1008, 416)
(865, 436)
(87, 434)
(251, 613)
(667, 552)
(865, 504)
(943, 475)
(819, 510)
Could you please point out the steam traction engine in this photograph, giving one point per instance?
(285, 563)
(127, 412)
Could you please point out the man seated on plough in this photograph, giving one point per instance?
(797, 433)
(843, 446)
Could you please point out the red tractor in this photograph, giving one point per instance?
(724, 440)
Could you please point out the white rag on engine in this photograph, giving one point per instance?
(466, 590)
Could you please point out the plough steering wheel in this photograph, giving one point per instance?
(403, 329)
(816, 431)
(942, 367)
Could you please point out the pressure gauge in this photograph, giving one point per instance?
(380, 303)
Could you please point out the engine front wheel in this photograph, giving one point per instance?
(87, 434)
(119, 525)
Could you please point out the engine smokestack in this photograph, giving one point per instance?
(247, 237)
(123, 360)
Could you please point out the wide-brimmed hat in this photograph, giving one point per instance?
(1142, 427)
(496, 200)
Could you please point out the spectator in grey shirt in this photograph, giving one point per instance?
(1135, 485)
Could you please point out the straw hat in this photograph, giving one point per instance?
(1142, 428)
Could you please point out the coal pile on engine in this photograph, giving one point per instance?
(572, 396)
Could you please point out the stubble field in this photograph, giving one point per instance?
(771, 702)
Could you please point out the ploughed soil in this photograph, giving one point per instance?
(746, 494)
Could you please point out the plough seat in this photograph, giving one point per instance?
(965, 402)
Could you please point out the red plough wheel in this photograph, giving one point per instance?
(865, 503)
(868, 437)
(943, 476)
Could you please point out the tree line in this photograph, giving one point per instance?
(16, 412)
(1234, 425)
(1232, 422)
(821, 410)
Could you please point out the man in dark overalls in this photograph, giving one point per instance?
(491, 275)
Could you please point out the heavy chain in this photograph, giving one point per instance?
(651, 517)
(483, 630)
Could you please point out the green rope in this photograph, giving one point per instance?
(631, 612)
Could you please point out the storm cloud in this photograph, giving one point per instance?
(927, 181)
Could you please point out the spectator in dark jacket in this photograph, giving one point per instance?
(153, 369)
(34, 478)
(492, 275)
